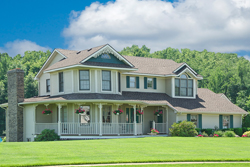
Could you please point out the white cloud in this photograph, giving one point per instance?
(247, 57)
(215, 25)
(21, 46)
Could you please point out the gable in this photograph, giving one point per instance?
(55, 59)
(115, 57)
(106, 58)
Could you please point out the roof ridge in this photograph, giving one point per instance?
(83, 49)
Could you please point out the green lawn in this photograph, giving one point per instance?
(152, 149)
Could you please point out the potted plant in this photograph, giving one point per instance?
(139, 112)
(154, 131)
(117, 112)
(157, 112)
(79, 111)
(47, 111)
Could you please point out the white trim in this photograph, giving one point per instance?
(211, 112)
(96, 81)
(72, 81)
(107, 91)
(187, 66)
(108, 49)
(78, 82)
(55, 50)
(87, 66)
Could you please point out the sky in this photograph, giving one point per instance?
(214, 25)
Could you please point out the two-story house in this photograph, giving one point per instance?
(100, 80)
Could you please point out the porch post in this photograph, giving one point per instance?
(135, 126)
(59, 118)
(167, 121)
(34, 119)
(100, 118)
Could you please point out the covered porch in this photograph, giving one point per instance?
(98, 119)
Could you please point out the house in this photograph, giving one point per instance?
(100, 80)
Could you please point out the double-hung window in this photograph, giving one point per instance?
(225, 121)
(183, 86)
(61, 86)
(47, 85)
(84, 83)
(150, 83)
(132, 82)
(106, 80)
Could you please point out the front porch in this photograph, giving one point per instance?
(98, 120)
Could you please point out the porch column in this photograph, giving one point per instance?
(34, 119)
(135, 125)
(166, 109)
(100, 118)
(59, 118)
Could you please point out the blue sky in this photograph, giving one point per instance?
(215, 25)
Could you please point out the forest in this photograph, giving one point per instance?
(222, 72)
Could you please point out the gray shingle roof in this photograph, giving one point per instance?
(144, 65)
(205, 102)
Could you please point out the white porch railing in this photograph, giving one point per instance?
(77, 128)
(71, 128)
(139, 128)
(41, 126)
(118, 128)
(161, 127)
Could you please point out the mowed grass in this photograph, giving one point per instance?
(151, 149)
(188, 165)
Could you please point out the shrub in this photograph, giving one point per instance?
(198, 130)
(219, 133)
(229, 134)
(184, 128)
(204, 134)
(247, 133)
(238, 131)
(47, 135)
(244, 129)
(4, 139)
(246, 121)
(208, 131)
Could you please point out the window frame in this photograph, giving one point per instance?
(228, 123)
(47, 85)
(61, 82)
(148, 83)
(106, 80)
(177, 91)
(197, 119)
(84, 79)
(132, 82)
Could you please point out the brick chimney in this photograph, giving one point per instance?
(14, 115)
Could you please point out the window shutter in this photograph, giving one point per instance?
(231, 121)
(200, 121)
(154, 83)
(188, 117)
(145, 83)
(220, 121)
(137, 83)
(128, 81)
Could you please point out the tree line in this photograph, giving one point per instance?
(222, 72)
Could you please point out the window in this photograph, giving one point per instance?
(183, 86)
(105, 56)
(84, 83)
(132, 82)
(225, 122)
(47, 85)
(61, 82)
(106, 80)
(106, 114)
(194, 119)
(85, 117)
(150, 83)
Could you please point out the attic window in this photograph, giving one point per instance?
(105, 56)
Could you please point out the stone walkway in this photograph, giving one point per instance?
(150, 163)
